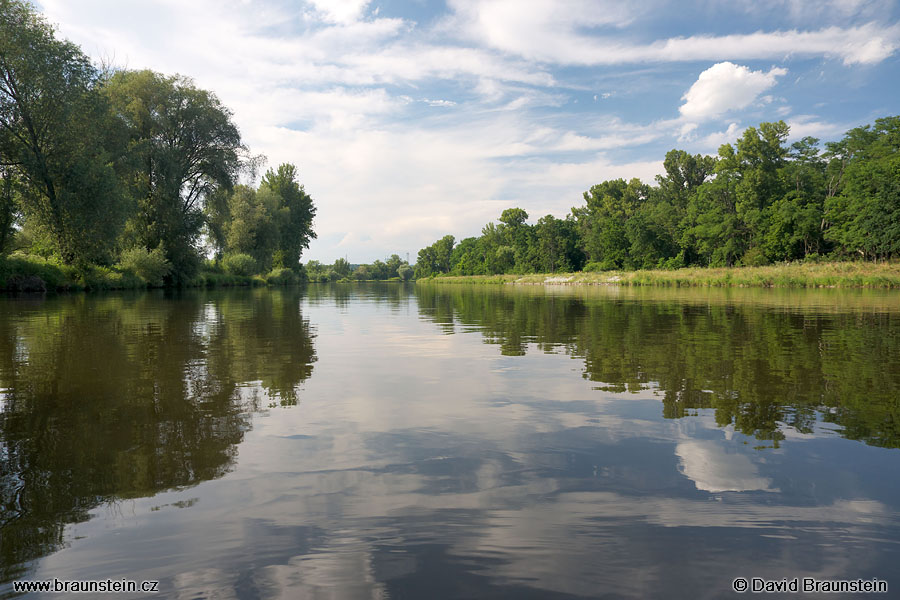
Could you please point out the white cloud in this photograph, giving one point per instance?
(545, 30)
(343, 92)
(866, 44)
(725, 87)
(809, 125)
(712, 141)
(816, 11)
(555, 32)
(340, 11)
(713, 469)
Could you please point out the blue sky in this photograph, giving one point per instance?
(411, 120)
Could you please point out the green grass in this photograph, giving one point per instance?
(28, 273)
(20, 272)
(789, 275)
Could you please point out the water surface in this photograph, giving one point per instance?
(390, 441)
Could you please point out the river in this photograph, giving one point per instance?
(450, 441)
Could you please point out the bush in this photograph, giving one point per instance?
(754, 257)
(25, 283)
(362, 273)
(212, 279)
(239, 264)
(149, 265)
(104, 278)
(596, 267)
(21, 272)
(282, 276)
(673, 263)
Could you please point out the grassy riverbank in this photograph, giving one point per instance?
(796, 275)
(24, 273)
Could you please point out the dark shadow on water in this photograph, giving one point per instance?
(764, 360)
(105, 398)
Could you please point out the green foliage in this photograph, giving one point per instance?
(282, 276)
(183, 149)
(362, 273)
(21, 272)
(341, 268)
(97, 278)
(57, 140)
(759, 201)
(759, 370)
(9, 208)
(91, 162)
(865, 214)
(251, 227)
(145, 427)
(754, 257)
(292, 214)
(239, 264)
(151, 266)
(435, 258)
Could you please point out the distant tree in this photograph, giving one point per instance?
(717, 234)
(865, 215)
(468, 257)
(513, 217)
(795, 220)
(393, 264)
(760, 200)
(252, 224)
(435, 259)
(362, 273)
(341, 267)
(684, 174)
(609, 206)
(296, 213)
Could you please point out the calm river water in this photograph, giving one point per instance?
(393, 441)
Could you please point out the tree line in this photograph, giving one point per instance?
(132, 170)
(392, 268)
(760, 201)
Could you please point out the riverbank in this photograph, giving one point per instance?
(791, 275)
(21, 273)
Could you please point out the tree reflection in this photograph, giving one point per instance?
(763, 369)
(120, 397)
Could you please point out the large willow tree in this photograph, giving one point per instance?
(183, 148)
(55, 137)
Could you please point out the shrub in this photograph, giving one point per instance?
(25, 283)
(754, 257)
(104, 278)
(281, 276)
(22, 271)
(239, 264)
(149, 265)
(362, 273)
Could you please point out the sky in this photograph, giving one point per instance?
(411, 120)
